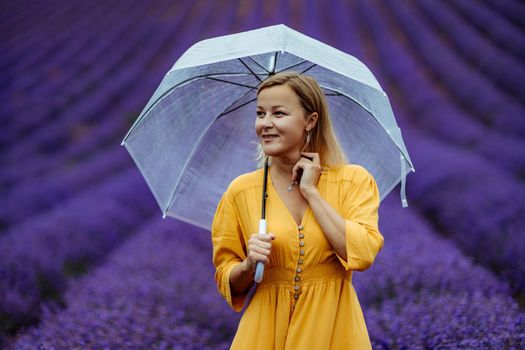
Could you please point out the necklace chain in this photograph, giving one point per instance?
(291, 185)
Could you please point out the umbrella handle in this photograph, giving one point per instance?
(259, 268)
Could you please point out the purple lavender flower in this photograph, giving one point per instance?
(156, 291)
(65, 242)
(488, 103)
(430, 320)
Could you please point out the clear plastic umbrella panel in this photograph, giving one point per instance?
(196, 133)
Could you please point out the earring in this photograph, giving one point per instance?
(308, 136)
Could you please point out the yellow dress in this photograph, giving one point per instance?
(306, 299)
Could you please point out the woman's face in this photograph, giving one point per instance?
(281, 123)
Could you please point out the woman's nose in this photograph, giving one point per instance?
(267, 120)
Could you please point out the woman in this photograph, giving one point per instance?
(322, 223)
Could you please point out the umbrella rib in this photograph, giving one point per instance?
(258, 64)
(233, 83)
(255, 75)
(167, 92)
(236, 108)
(307, 69)
(339, 93)
(234, 102)
(292, 66)
(172, 195)
(274, 63)
(209, 77)
(222, 73)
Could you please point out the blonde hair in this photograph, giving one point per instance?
(312, 99)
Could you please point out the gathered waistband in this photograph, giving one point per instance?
(309, 275)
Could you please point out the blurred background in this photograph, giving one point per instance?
(86, 260)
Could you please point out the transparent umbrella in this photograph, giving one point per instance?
(196, 133)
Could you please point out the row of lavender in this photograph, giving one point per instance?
(412, 296)
(63, 268)
(433, 297)
(87, 230)
(41, 254)
(90, 124)
(460, 194)
(105, 123)
(499, 28)
(89, 102)
(502, 68)
(430, 109)
(81, 207)
(154, 292)
(471, 88)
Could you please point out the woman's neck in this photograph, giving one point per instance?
(284, 166)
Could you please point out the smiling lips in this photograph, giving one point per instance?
(268, 137)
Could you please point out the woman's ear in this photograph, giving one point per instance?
(312, 121)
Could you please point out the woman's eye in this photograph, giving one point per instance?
(260, 114)
(279, 113)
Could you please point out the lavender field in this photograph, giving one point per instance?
(86, 261)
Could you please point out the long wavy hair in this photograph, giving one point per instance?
(311, 97)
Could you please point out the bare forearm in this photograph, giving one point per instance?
(331, 222)
(241, 278)
(242, 275)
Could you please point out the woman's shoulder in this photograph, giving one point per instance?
(349, 172)
(245, 181)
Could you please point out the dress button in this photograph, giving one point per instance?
(296, 287)
(301, 235)
(299, 269)
(301, 244)
(296, 296)
(300, 261)
(301, 252)
(297, 278)
(300, 227)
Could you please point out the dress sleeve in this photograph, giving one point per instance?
(360, 210)
(228, 249)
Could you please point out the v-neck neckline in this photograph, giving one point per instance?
(305, 214)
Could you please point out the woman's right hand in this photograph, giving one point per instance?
(259, 249)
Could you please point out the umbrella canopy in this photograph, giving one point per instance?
(196, 133)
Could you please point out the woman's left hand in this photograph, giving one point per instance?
(310, 165)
